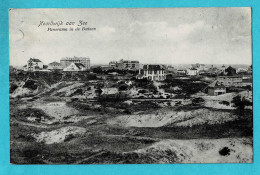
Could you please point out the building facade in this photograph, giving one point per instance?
(33, 64)
(65, 62)
(216, 88)
(152, 72)
(55, 66)
(75, 67)
(181, 72)
(192, 71)
(125, 64)
(229, 81)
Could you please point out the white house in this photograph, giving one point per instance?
(152, 72)
(192, 71)
(33, 64)
(75, 67)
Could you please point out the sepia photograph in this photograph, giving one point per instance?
(130, 85)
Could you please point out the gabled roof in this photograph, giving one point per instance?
(54, 64)
(35, 60)
(153, 67)
(216, 83)
(79, 65)
(74, 58)
(193, 68)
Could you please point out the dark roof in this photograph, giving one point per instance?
(216, 84)
(129, 61)
(234, 76)
(45, 66)
(193, 68)
(247, 80)
(74, 58)
(152, 67)
(54, 64)
(79, 65)
(35, 60)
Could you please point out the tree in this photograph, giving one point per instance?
(122, 87)
(240, 103)
(198, 101)
(98, 91)
(230, 71)
(97, 70)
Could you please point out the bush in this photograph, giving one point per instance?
(77, 92)
(240, 103)
(224, 103)
(142, 91)
(198, 101)
(13, 87)
(122, 87)
(105, 99)
(69, 137)
(187, 86)
(30, 84)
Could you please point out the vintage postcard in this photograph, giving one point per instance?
(131, 86)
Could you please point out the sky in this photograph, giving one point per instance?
(150, 35)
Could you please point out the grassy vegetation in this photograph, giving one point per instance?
(108, 143)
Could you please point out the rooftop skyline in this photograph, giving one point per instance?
(150, 35)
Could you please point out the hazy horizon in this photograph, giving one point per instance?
(150, 35)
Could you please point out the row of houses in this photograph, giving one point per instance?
(66, 64)
(220, 85)
(125, 64)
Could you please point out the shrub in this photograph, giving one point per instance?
(13, 87)
(240, 103)
(69, 137)
(122, 87)
(198, 101)
(142, 91)
(77, 92)
(30, 84)
(224, 151)
(224, 103)
(105, 99)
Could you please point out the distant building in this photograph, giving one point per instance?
(181, 72)
(223, 69)
(231, 71)
(152, 72)
(247, 82)
(33, 64)
(114, 64)
(106, 67)
(213, 71)
(65, 62)
(171, 69)
(12, 69)
(192, 71)
(55, 66)
(199, 67)
(241, 70)
(216, 88)
(75, 67)
(229, 81)
(125, 64)
(249, 69)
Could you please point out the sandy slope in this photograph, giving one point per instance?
(181, 118)
(58, 135)
(201, 151)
